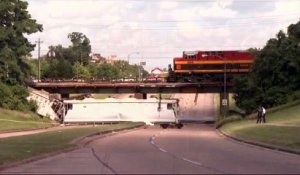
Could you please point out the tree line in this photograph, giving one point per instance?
(74, 62)
(15, 23)
(59, 63)
(275, 76)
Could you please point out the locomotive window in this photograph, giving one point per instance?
(191, 56)
(213, 53)
(220, 54)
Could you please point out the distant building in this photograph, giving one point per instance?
(113, 59)
(97, 58)
(154, 74)
(156, 71)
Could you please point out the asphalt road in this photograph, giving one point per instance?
(193, 149)
(201, 110)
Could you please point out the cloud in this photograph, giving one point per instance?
(167, 5)
(161, 30)
(217, 10)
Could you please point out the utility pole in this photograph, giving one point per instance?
(39, 61)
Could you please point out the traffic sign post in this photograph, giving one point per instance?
(224, 102)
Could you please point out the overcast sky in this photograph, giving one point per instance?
(162, 29)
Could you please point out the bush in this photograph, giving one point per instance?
(14, 98)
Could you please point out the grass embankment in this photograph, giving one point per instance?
(19, 148)
(16, 121)
(282, 128)
(233, 114)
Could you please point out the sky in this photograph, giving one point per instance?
(156, 31)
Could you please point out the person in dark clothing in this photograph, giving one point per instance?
(259, 114)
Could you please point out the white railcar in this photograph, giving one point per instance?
(150, 111)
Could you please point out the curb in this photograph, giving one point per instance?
(75, 144)
(264, 145)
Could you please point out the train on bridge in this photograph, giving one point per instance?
(216, 66)
(193, 67)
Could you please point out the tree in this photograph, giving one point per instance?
(58, 69)
(81, 47)
(81, 72)
(15, 23)
(275, 72)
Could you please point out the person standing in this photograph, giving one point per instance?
(259, 114)
(263, 114)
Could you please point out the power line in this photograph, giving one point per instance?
(170, 27)
(178, 21)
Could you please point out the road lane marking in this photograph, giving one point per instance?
(165, 151)
(162, 150)
(191, 161)
(180, 158)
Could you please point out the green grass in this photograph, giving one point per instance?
(15, 121)
(163, 96)
(19, 148)
(282, 128)
(96, 96)
(103, 96)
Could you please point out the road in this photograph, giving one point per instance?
(193, 149)
(201, 110)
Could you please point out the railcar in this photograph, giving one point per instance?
(196, 66)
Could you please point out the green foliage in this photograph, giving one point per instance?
(15, 23)
(12, 121)
(81, 48)
(74, 63)
(282, 127)
(57, 69)
(275, 73)
(80, 71)
(14, 97)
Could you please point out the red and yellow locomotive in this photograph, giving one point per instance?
(196, 66)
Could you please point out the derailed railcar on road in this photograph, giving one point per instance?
(150, 111)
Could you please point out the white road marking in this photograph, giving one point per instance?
(191, 161)
(162, 150)
(165, 151)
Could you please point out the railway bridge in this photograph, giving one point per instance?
(65, 88)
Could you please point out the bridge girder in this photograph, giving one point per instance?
(81, 87)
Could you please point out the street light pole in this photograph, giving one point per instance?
(225, 86)
(224, 101)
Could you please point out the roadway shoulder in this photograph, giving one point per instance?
(264, 145)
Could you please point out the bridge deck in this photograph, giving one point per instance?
(129, 87)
